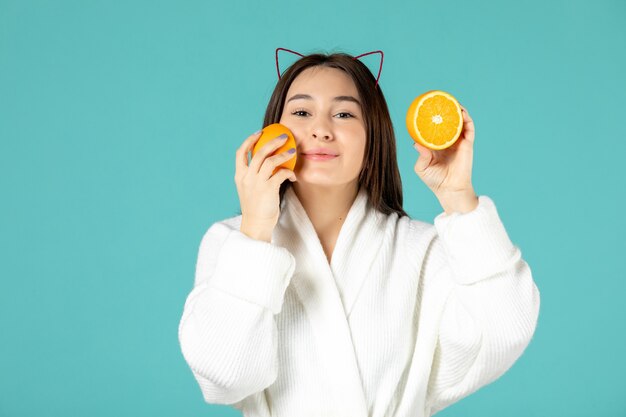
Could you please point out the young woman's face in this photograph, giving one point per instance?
(322, 110)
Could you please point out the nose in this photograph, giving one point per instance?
(321, 131)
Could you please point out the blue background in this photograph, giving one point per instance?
(119, 123)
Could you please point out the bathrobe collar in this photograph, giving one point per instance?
(328, 292)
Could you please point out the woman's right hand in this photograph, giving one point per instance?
(258, 189)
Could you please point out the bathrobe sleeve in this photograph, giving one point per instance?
(491, 305)
(227, 331)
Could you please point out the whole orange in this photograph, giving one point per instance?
(435, 120)
(271, 132)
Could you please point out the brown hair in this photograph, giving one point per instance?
(379, 174)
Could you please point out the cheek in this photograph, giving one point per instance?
(357, 154)
(294, 130)
(297, 137)
(300, 136)
(361, 149)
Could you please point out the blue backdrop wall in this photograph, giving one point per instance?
(119, 121)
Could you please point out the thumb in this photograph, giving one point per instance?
(425, 157)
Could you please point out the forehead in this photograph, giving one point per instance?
(323, 81)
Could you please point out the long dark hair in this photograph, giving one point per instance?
(379, 175)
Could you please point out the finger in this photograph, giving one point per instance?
(273, 161)
(466, 117)
(426, 152)
(267, 149)
(421, 148)
(280, 176)
(425, 158)
(468, 125)
(242, 152)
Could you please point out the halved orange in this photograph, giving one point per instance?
(271, 132)
(434, 120)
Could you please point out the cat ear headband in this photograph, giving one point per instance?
(356, 57)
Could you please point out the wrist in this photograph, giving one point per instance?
(256, 231)
(461, 201)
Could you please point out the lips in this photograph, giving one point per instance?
(319, 157)
(320, 151)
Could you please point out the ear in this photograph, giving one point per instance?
(287, 50)
(382, 56)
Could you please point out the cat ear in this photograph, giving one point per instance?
(287, 50)
(382, 56)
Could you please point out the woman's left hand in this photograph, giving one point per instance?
(448, 172)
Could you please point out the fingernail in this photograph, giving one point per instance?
(283, 136)
(292, 150)
(257, 132)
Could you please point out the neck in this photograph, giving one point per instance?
(326, 207)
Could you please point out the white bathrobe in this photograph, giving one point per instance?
(407, 318)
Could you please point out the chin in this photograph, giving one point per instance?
(320, 181)
(324, 183)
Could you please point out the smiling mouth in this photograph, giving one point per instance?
(319, 156)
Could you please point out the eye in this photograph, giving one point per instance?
(303, 113)
(299, 111)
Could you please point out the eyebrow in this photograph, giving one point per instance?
(338, 98)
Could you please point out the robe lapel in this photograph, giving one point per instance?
(356, 249)
(314, 283)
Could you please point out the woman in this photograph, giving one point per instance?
(324, 298)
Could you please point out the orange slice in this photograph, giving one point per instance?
(271, 132)
(434, 120)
